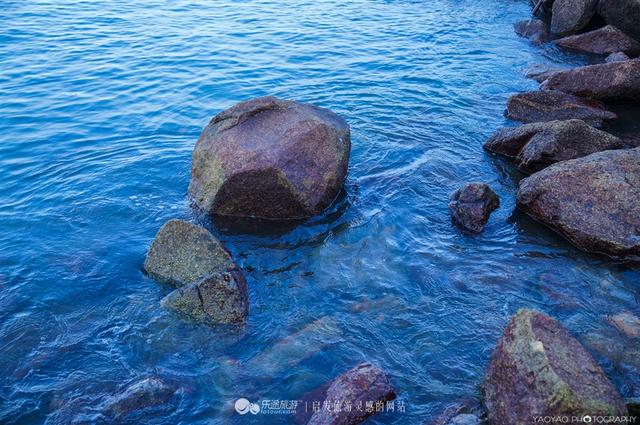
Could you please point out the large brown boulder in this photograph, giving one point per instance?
(349, 397)
(270, 158)
(615, 81)
(570, 16)
(593, 201)
(603, 41)
(623, 14)
(550, 105)
(539, 370)
(182, 253)
(537, 145)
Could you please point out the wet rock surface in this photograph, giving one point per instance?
(218, 298)
(471, 206)
(365, 383)
(614, 81)
(270, 158)
(627, 323)
(535, 30)
(182, 253)
(593, 201)
(538, 145)
(570, 16)
(603, 41)
(551, 105)
(142, 394)
(466, 412)
(539, 369)
(622, 14)
(616, 57)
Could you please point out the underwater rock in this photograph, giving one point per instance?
(270, 158)
(623, 14)
(351, 391)
(147, 392)
(464, 412)
(627, 323)
(551, 105)
(540, 74)
(538, 145)
(182, 253)
(570, 16)
(614, 81)
(217, 298)
(539, 370)
(616, 57)
(295, 348)
(592, 201)
(471, 206)
(603, 41)
(534, 30)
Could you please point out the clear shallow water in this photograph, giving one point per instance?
(100, 106)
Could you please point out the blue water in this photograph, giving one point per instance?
(100, 106)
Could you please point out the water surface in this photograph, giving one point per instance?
(100, 106)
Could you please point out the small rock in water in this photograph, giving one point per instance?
(460, 413)
(540, 73)
(627, 323)
(362, 385)
(271, 159)
(472, 205)
(614, 81)
(145, 393)
(622, 14)
(182, 253)
(592, 201)
(217, 298)
(538, 369)
(603, 41)
(534, 30)
(550, 105)
(570, 16)
(538, 145)
(616, 57)
(465, 419)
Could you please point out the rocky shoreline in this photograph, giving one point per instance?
(280, 160)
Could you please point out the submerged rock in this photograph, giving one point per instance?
(570, 16)
(539, 370)
(182, 253)
(538, 145)
(351, 392)
(460, 413)
(592, 201)
(627, 323)
(534, 30)
(616, 57)
(471, 206)
(622, 14)
(615, 81)
(550, 105)
(145, 393)
(540, 74)
(603, 41)
(217, 298)
(270, 158)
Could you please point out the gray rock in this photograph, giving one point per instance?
(465, 419)
(534, 30)
(592, 201)
(551, 105)
(622, 14)
(471, 206)
(614, 82)
(538, 145)
(603, 41)
(540, 74)
(142, 394)
(182, 253)
(570, 16)
(219, 298)
(627, 323)
(358, 386)
(538, 369)
(616, 57)
(271, 159)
